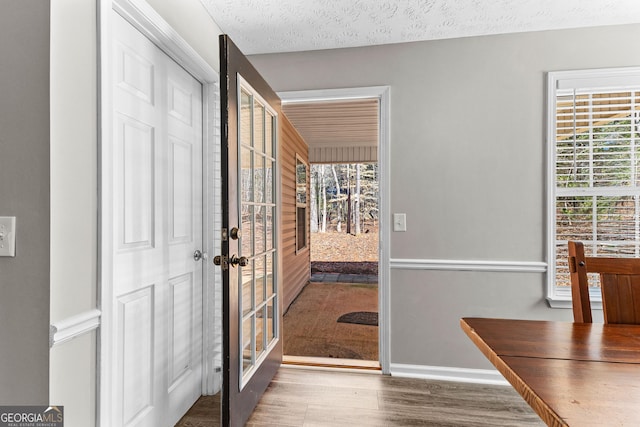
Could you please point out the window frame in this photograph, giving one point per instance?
(626, 78)
(299, 205)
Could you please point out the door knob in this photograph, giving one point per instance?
(197, 255)
(236, 233)
(242, 261)
(222, 260)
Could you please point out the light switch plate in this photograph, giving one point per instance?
(399, 222)
(7, 236)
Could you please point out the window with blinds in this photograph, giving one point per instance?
(594, 139)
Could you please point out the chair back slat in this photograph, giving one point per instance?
(621, 298)
(613, 265)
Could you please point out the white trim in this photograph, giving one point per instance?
(384, 270)
(565, 302)
(332, 369)
(105, 353)
(465, 375)
(469, 265)
(304, 205)
(146, 20)
(244, 376)
(211, 228)
(550, 107)
(562, 298)
(600, 78)
(74, 326)
(382, 93)
(333, 94)
(557, 81)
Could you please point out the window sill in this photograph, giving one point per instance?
(563, 302)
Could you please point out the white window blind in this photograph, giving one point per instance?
(594, 130)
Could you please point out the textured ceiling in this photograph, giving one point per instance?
(267, 26)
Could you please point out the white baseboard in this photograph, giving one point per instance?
(477, 376)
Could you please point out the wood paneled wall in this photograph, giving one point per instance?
(296, 267)
(345, 154)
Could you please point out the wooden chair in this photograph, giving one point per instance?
(619, 284)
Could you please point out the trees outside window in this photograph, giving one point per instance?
(346, 197)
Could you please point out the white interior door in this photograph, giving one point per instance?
(156, 313)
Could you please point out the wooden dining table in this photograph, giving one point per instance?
(571, 374)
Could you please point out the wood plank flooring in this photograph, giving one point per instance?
(204, 413)
(308, 398)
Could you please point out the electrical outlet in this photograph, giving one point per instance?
(7, 236)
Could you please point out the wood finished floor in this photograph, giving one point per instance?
(309, 398)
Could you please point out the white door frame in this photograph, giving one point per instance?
(144, 18)
(382, 93)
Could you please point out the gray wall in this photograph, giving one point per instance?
(24, 193)
(467, 167)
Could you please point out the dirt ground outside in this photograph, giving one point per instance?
(334, 252)
(310, 325)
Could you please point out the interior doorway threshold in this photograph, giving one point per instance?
(331, 363)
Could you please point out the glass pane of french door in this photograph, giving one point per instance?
(257, 287)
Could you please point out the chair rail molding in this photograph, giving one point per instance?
(469, 265)
(74, 326)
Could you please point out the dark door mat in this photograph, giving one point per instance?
(360, 318)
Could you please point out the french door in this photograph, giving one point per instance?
(250, 257)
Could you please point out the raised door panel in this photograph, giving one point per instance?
(135, 148)
(136, 357)
(180, 191)
(135, 74)
(181, 336)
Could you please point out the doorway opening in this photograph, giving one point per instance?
(336, 313)
(345, 301)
